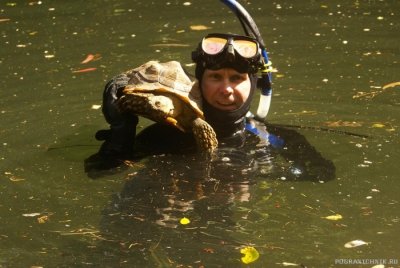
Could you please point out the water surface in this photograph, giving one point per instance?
(332, 62)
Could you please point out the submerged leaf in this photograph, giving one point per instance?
(251, 254)
(334, 217)
(355, 243)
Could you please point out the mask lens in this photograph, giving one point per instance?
(245, 48)
(213, 45)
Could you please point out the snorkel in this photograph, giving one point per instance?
(250, 29)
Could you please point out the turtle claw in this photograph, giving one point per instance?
(171, 120)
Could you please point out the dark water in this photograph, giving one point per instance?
(332, 60)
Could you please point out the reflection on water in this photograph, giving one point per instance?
(276, 199)
(211, 193)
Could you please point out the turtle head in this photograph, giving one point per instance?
(162, 107)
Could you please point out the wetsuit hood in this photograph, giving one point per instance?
(226, 123)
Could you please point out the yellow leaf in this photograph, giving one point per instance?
(16, 179)
(334, 217)
(199, 27)
(95, 106)
(391, 85)
(250, 254)
(378, 125)
(185, 221)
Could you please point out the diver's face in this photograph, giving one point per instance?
(225, 89)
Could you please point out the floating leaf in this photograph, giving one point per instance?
(84, 70)
(302, 112)
(185, 221)
(250, 254)
(341, 123)
(379, 125)
(169, 45)
(95, 107)
(391, 85)
(199, 27)
(334, 217)
(35, 3)
(289, 264)
(88, 58)
(43, 219)
(91, 57)
(16, 179)
(355, 243)
(31, 214)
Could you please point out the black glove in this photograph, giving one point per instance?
(119, 139)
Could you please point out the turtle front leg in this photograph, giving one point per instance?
(204, 135)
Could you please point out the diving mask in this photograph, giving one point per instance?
(217, 51)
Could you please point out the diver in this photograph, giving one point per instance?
(227, 67)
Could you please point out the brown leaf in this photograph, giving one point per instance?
(88, 58)
(84, 70)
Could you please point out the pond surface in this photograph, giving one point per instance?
(333, 64)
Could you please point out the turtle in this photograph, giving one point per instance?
(167, 94)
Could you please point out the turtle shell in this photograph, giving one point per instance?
(169, 77)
